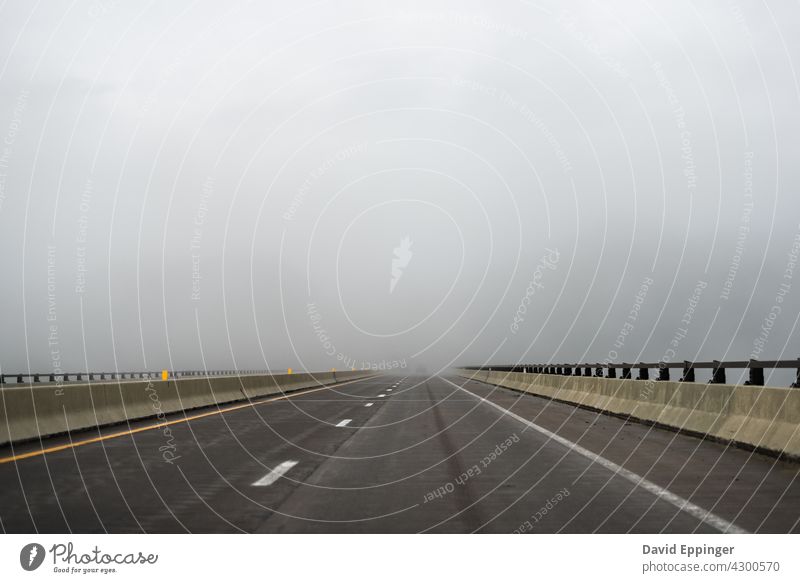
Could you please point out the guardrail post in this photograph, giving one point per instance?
(598, 372)
(644, 374)
(612, 373)
(36, 378)
(626, 373)
(79, 377)
(756, 375)
(19, 378)
(663, 373)
(52, 377)
(718, 376)
(688, 372)
(587, 372)
(796, 382)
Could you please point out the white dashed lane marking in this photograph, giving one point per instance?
(275, 473)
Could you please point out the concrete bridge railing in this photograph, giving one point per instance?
(30, 411)
(763, 418)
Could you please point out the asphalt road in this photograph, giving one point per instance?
(416, 455)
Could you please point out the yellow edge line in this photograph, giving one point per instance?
(75, 444)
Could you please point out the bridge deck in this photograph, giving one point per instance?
(407, 463)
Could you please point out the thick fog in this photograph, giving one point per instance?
(324, 185)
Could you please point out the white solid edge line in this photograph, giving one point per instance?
(681, 503)
(381, 395)
(275, 473)
(369, 404)
(343, 422)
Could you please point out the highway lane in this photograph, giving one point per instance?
(391, 455)
(757, 492)
(194, 478)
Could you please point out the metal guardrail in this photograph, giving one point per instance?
(20, 378)
(717, 367)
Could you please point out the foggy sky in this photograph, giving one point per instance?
(189, 185)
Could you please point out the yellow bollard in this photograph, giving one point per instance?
(164, 375)
(289, 371)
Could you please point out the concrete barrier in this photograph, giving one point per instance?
(264, 386)
(765, 418)
(29, 412)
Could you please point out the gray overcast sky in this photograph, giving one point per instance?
(320, 184)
